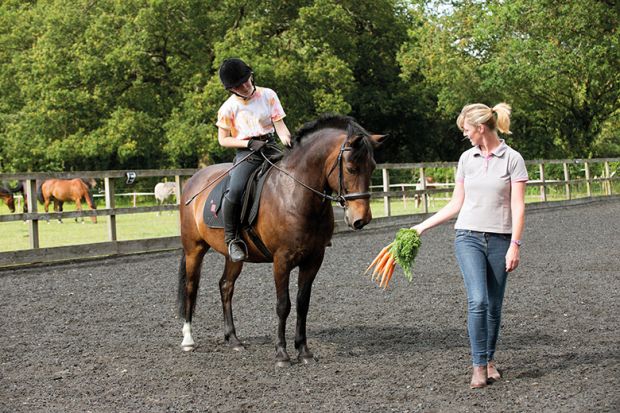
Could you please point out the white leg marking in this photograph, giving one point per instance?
(188, 342)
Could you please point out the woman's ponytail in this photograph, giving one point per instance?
(502, 110)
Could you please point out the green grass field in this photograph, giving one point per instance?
(14, 235)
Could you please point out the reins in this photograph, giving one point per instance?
(341, 198)
(189, 201)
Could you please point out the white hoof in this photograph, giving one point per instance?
(188, 347)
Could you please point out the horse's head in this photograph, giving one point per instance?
(7, 197)
(351, 174)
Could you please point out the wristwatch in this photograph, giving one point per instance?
(516, 241)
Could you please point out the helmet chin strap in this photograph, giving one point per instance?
(251, 94)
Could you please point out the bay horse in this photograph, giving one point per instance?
(59, 191)
(6, 195)
(295, 222)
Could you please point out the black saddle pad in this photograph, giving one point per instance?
(211, 213)
(251, 199)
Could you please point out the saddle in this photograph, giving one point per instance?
(213, 217)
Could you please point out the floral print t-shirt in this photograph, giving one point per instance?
(252, 117)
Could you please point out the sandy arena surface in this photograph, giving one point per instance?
(103, 336)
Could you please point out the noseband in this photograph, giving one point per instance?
(342, 196)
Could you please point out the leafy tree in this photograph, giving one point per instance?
(555, 62)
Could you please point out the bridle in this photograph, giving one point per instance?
(342, 196)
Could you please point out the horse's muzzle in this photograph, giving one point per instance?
(356, 221)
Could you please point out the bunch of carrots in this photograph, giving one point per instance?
(401, 251)
(384, 264)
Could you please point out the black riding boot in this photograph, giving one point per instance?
(236, 247)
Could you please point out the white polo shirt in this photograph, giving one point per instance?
(487, 181)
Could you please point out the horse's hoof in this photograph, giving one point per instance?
(236, 346)
(188, 348)
(283, 363)
(306, 359)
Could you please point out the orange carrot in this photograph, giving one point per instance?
(381, 264)
(385, 269)
(389, 275)
(378, 257)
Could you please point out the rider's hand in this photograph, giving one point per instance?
(286, 140)
(255, 145)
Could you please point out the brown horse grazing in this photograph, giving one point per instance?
(295, 222)
(62, 190)
(7, 196)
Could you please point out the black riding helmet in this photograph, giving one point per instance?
(234, 72)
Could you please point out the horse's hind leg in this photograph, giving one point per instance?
(189, 281)
(46, 207)
(307, 273)
(227, 288)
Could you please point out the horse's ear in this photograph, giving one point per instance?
(355, 140)
(378, 139)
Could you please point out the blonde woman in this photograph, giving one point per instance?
(489, 198)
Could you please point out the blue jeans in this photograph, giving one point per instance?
(482, 259)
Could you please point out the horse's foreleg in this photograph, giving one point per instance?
(78, 206)
(307, 273)
(189, 280)
(227, 288)
(58, 208)
(283, 308)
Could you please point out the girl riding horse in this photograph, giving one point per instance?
(246, 121)
(331, 161)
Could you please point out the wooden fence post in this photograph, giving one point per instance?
(33, 224)
(110, 204)
(386, 188)
(423, 182)
(608, 185)
(543, 187)
(567, 180)
(588, 180)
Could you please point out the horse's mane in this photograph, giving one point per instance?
(345, 123)
(330, 120)
(5, 191)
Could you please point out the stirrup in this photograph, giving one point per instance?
(242, 250)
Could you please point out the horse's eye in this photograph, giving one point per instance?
(352, 171)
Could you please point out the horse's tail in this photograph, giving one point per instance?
(181, 293)
(88, 197)
(40, 192)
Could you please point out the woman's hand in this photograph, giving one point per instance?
(512, 257)
(419, 228)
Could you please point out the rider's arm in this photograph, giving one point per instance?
(283, 132)
(227, 141)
